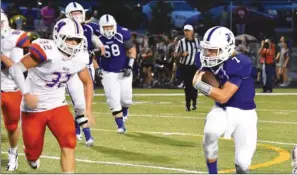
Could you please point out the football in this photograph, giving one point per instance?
(210, 78)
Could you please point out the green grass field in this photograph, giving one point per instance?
(163, 138)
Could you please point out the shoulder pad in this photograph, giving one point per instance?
(124, 32)
(239, 65)
(44, 50)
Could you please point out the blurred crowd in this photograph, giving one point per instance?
(156, 66)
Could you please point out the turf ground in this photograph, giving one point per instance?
(163, 138)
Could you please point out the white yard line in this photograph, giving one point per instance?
(190, 117)
(182, 94)
(188, 134)
(121, 164)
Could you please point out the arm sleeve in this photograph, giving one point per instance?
(96, 41)
(37, 53)
(128, 44)
(16, 72)
(23, 41)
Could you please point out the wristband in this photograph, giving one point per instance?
(131, 62)
(203, 87)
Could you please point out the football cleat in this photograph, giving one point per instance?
(34, 164)
(90, 142)
(121, 130)
(12, 161)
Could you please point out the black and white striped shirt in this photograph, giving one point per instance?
(190, 46)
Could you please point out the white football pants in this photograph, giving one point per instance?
(242, 124)
(118, 90)
(76, 89)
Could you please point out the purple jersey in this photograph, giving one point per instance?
(115, 58)
(89, 30)
(238, 71)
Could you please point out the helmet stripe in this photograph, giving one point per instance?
(77, 28)
(211, 32)
(60, 25)
(107, 19)
(74, 4)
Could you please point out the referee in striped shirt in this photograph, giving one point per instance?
(185, 51)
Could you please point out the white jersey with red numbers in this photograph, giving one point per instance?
(12, 46)
(48, 79)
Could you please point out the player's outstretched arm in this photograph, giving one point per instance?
(16, 71)
(85, 77)
(219, 95)
(6, 61)
(98, 45)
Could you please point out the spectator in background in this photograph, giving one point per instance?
(243, 47)
(171, 43)
(148, 58)
(282, 60)
(95, 17)
(13, 9)
(224, 17)
(267, 52)
(88, 16)
(240, 19)
(48, 14)
(29, 14)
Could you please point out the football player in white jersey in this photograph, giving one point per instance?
(50, 64)
(75, 87)
(12, 44)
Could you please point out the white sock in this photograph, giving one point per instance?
(13, 150)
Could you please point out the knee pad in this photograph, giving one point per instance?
(81, 119)
(11, 126)
(210, 146)
(116, 112)
(241, 169)
(69, 141)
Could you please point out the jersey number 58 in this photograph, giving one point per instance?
(112, 50)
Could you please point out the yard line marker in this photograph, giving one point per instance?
(182, 94)
(188, 134)
(192, 117)
(121, 164)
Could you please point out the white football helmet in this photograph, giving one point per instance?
(217, 38)
(108, 20)
(74, 6)
(69, 29)
(4, 24)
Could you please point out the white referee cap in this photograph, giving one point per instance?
(188, 27)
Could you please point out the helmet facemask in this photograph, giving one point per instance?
(109, 31)
(70, 49)
(78, 16)
(213, 56)
(69, 37)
